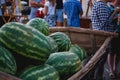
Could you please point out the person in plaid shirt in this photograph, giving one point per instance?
(102, 20)
(101, 17)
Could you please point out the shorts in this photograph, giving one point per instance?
(51, 20)
(114, 46)
(59, 15)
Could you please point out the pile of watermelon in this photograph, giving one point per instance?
(30, 52)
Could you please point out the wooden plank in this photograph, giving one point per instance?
(5, 76)
(89, 39)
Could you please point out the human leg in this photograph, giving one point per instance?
(59, 24)
(111, 63)
(59, 17)
(115, 63)
(115, 45)
(112, 58)
(117, 49)
(99, 70)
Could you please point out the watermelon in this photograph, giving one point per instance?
(79, 51)
(7, 61)
(40, 72)
(39, 24)
(53, 44)
(25, 40)
(62, 40)
(66, 63)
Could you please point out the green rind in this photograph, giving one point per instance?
(53, 44)
(41, 72)
(7, 61)
(79, 51)
(39, 24)
(62, 40)
(65, 62)
(25, 40)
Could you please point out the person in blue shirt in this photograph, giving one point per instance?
(49, 12)
(2, 10)
(73, 10)
(35, 5)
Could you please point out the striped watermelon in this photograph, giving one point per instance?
(79, 51)
(41, 72)
(7, 61)
(62, 40)
(65, 62)
(25, 40)
(53, 44)
(39, 24)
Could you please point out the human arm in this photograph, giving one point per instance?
(3, 6)
(80, 9)
(35, 4)
(103, 14)
(46, 8)
(113, 15)
(81, 13)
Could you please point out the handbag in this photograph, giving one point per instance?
(39, 13)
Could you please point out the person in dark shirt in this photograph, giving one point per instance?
(112, 58)
(59, 12)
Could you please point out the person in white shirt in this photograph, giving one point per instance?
(49, 12)
(35, 5)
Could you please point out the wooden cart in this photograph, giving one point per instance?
(94, 42)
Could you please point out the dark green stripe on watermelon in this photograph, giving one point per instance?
(39, 24)
(41, 72)
(65, 62)
(25, 40)
(53, 44)
(7, 61)
(62, 40)
(79, 51)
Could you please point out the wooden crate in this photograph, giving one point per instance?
(89, 39)
(94, 42)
